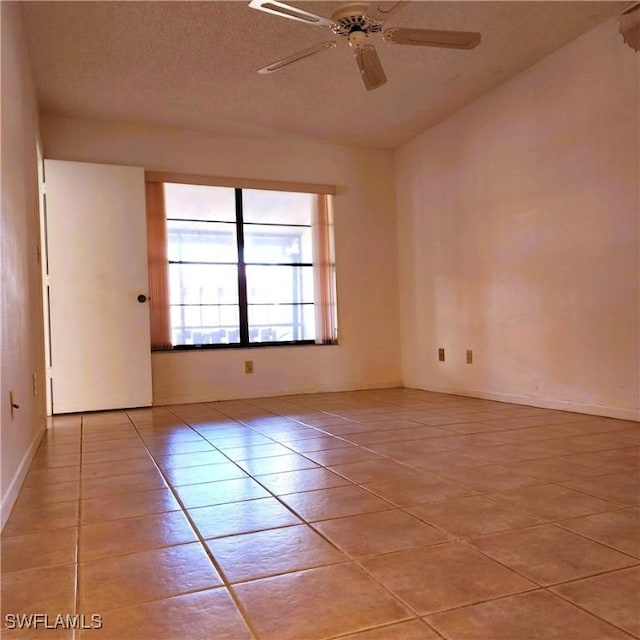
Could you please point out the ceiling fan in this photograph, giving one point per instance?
(357, 26)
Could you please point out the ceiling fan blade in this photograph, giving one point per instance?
(432, 38)
(287, 11)
(370, 67)
(382, 10)
(276, 66)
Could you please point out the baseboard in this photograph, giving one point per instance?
(269, 392)
(11, 494)
(543, 403)
(531, 401)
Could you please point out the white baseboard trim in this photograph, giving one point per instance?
(11, 493)
(619, 413)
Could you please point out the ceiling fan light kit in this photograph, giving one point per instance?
(353, 23)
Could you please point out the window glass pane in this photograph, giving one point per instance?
(277, 207)
(201, 241)
(281, 322)
(282, 285)
(211, 324)
(308, 322)
(277, 244)
(199, 202)
(203, 284)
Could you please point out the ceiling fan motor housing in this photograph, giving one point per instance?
(353, 18)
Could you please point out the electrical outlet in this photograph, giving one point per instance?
(441, 354)
(469, 356)
(248, 366)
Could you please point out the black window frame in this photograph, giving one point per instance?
(243, 304)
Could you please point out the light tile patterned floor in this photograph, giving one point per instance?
(372, 515)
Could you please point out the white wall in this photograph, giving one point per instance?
(518, 237)
(21, 335)
(368, 355)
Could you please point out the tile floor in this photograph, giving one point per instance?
(374, 515)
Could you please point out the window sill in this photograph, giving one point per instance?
(257, 345)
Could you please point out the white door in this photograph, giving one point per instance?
(97, 265)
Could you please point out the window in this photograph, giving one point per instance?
(233, 266)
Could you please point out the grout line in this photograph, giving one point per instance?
(387, 625)
(597, 574)
(586, 610)
(77, 585)
(238, 604)
(480, 601)
(602, 544)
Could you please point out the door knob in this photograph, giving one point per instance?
(142, 298)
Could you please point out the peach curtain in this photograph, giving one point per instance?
(324, 272)
(158, 268)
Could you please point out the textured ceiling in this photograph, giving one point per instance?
(193, 65)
